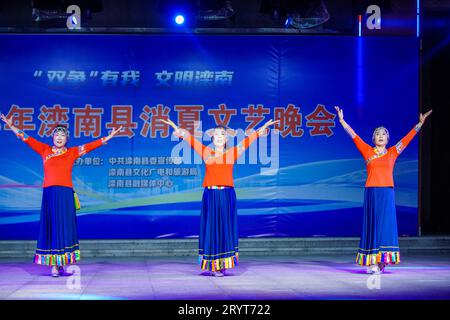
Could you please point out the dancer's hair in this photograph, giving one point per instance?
(61, 128)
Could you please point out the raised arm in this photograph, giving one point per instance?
(244, 144)
(90, 146)
(344, 124)
(403, 143)
(198, 147)
(362, 146)
(37, 146)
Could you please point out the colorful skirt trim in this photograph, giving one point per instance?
(57, 259)
(387, 257)
(218, 264)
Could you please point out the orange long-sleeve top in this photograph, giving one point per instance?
(58, 163)
(219, 168)
(380, 166)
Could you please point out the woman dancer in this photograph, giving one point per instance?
(378, 244)
(57, 243)
(218, 241)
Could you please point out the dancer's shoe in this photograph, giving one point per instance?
(217, 274)
(55, 272)
(373, 269)
(382, 266)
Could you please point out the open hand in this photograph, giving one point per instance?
(423, 117)
(340, 113)
(170, 123)
(8, 122)
(267, 124)
(115, 131)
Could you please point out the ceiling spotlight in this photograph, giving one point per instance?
(179, 19)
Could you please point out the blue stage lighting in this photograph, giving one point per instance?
(179, 19)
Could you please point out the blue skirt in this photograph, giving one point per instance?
(218, 243)
(57, 243)
(379, 238)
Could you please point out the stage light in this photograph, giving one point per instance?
(418, 19)
(308, 16)
(179, 19)
(287, 23)
(359, 25)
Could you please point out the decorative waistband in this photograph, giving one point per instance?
(218, 187)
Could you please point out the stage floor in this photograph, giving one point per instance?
(268, 277)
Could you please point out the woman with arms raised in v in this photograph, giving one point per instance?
(218, 241)
(57, 243)
(378, 245)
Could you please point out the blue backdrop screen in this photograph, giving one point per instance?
(305, 179)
